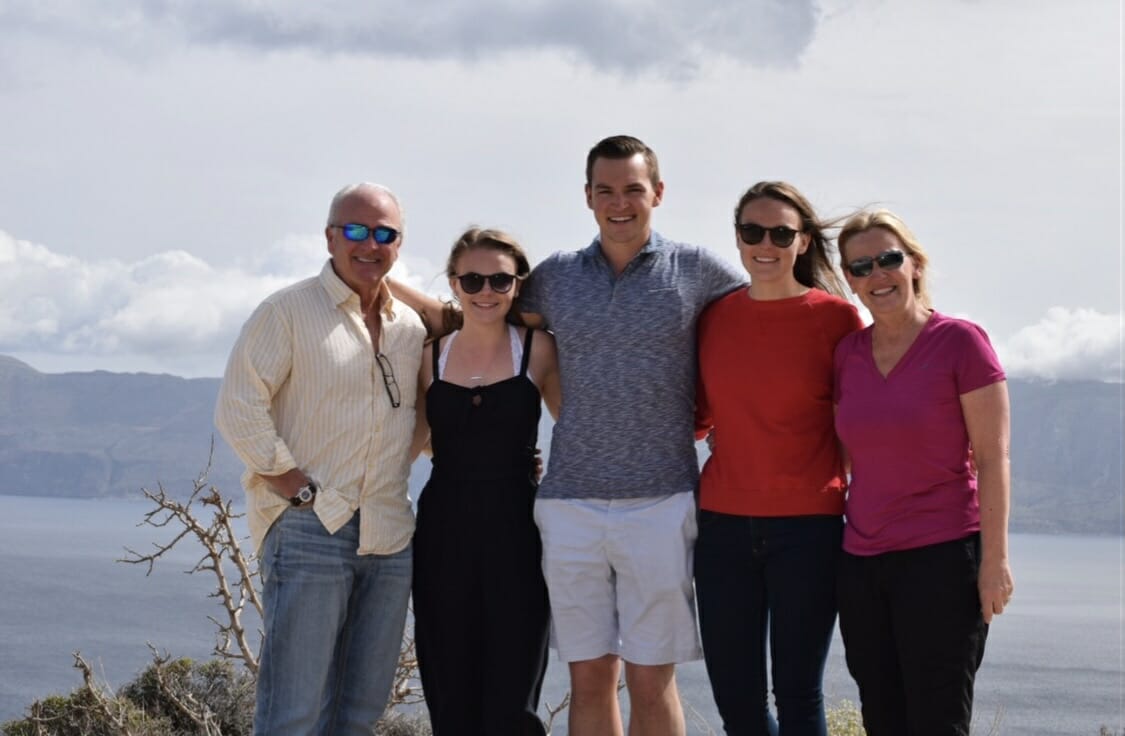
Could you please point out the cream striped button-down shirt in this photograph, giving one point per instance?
(303, 389)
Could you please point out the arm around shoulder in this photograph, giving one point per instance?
(720, 277)
(440, 317)
(544, 367)
(421, 440)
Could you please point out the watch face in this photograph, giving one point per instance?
(305, 494)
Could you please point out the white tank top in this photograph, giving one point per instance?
(513, 338)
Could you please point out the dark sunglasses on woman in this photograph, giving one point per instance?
(472, 282)
(888, 260)
(752, 233)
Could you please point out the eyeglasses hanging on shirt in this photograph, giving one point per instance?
(393, 392)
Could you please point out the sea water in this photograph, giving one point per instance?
(1053, 663)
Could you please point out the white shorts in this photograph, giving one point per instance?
(619, 577)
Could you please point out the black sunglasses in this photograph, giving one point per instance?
(357, 233)
(389, 381)
(752, 234)
(473, 282)
(888, 260)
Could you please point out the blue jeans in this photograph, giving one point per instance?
(333, 628)
(775, 575)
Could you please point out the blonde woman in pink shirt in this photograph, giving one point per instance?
(925, 562)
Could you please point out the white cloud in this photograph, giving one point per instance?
(171, 311)
(1067, 344)
(176, 313)
(672, 37)
(217, 128)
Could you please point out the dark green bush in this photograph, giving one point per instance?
(147, 705)
(86, 713)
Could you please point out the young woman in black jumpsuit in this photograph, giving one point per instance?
(480, 603)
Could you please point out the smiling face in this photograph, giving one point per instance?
(485, 306)
(885, 292)
(622, 195)
(771, 267)
(362, 265)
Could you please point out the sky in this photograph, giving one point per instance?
(167, 164)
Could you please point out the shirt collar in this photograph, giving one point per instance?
(655, 242)
(340, 292)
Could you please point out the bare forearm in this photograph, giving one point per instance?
(288, 483)
(420, 442)
(995, 583)
(433, 310)
(994, 484)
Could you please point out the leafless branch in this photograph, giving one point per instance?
(407, 688)
(235, 571)
(102, 704)
(554, 710)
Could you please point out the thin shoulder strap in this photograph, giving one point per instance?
(526, 351)
(435, 347)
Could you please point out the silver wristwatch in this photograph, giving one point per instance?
(305, 494)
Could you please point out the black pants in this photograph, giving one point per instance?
(914, 636)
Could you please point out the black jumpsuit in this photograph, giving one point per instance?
(480, 602)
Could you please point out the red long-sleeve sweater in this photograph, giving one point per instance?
(765, 387)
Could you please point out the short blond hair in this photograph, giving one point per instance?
(892, 223)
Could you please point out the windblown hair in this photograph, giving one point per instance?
(814, 268)
(892, 223)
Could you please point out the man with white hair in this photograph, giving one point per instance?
(318, 402)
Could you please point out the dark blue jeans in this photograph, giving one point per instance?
(914, 636)
(767, 575)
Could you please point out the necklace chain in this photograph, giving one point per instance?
(482, 373)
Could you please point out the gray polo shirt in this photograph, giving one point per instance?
(627, 363)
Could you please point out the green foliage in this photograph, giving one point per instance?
(401, 724)
(86, 713)
(147, 706)
(217, 686)
(845, 720)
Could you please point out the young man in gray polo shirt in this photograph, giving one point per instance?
(616, 509)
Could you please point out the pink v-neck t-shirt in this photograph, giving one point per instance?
(906, 436)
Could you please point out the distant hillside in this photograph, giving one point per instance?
(1067, 439)
(106, 434)
(109, 434)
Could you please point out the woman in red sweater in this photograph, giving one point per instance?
(772, 492)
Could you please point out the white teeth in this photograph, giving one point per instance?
(882, 292)
(366, 260)
(765, 260)
(620, 219)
